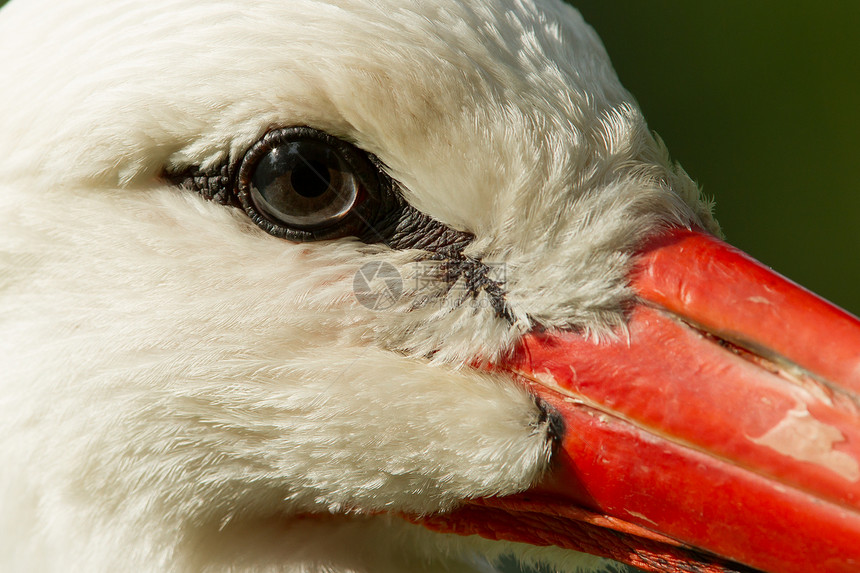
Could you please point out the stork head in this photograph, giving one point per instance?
(200, 199)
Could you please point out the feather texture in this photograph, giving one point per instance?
(179, 389)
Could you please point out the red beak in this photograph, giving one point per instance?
(721, 432)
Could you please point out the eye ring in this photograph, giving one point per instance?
(302, 184)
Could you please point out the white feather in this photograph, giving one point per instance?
(178, 388)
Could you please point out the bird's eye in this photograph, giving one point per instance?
(303, 184)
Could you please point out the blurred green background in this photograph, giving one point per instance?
(760, 102)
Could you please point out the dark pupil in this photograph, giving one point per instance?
(310, 179)
(304, 184)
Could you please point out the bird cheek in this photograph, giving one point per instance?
(410, 447)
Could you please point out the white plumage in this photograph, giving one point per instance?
(180, 389)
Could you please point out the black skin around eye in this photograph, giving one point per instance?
(383, 216)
